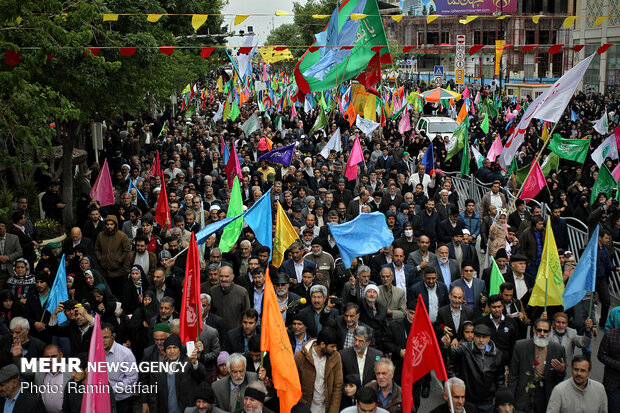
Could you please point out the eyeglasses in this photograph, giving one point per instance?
(542, 330)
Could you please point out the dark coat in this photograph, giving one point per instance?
(349, 363)
(444, 316)
(420, 288)
(186, 383)
(483, 374)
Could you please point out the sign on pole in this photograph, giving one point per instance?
(459, 60)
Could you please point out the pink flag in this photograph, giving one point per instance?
(477, 99)
(518, 108)
(616, 172)
(293, 112)
(495, 150)
(103, 191)
(405, 124)
(617, 135)
(534, 183)
(472, 108)
(466, 93)
(356, 157)
(232, 167)
(96, 400)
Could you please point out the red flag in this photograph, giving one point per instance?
(190, 316)
(232, 167)
(534, 183)
(162, 213)
(98, 399)
(422, 354)
(372, 74)
(156, 168)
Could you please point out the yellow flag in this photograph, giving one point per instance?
(468, 19)
(198, 20)
(397, 17)
(187, 89)
(283, 236)
(549, 286)
(153, 17)
(600, 20)
(220, 84)
(568, 22)
(109, 17)
(239, 18)
(536, 18)
(431, 18)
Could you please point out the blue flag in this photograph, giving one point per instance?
(573, 116)
(509, 123)
(260, 220)
(366, 234)
(429, 159)
(131, 185)
(206, 232)
(584, 276)
(282, 155)
(59, 292)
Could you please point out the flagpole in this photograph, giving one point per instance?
(591, 301)
(546, 289)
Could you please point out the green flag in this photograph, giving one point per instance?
(604, 183)
(465, 159)
(521, 174)
(551, 163)
(323, 68)
(163, 127)
(457, 141)
(571, 149)
(485, 123)
(321, 122)
(497, 279)
(190, 112)
(618, 192)
(490, 108)
(234, 112)
(235, 207)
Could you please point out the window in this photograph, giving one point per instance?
(477, 37)
(432, 38)
(543, 37)
(489, 37)
(445, 37)
(530, 37)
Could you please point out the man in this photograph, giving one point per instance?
(474, 289)
(381, 259)
(501, 259)
(447, 269)
(12, 398)
(228, 299)
(120, 381)
(567, 337)
(481, 366)
(256, 291)
(18, 229)
(423, 179)
(504, 329)
(460, 251)
(303, 288)
(360, 359)
(133, 224)
(239, 338)
(559, 227)
(153, 353)
(319, 366)
(52, 203)
(161, 288)
(175, 391)
(323, 261)
(604, 266)
(140, 256)
(514, 308)
(298, 332)
(390, 296)
(285, 297)
(204, 398)
(319, 303)
(153, 242)
(493, 197)
(345, 325)
(166, 314)
(366, 401)
(341, 194)
(111, 250)
(404, 274)
(452, 316)
(421, 257)
(430, 220)
(445, 209)
(55, 379)
(79, 330)
(254, 399)
(519, 215)
(20, 344)
(522, 283)
(532, 242)
(390, 393)
(76, 240)
(471, 219)
(94, 225)
(311, 225)
(22, 206)
(609, 355)
(434, 293)
(536, 360)
(10, 250)
(579, 394)
(457, 393)
(372, 313)
(355, 207)
(230, 391)
(504, 401)
(294, 266)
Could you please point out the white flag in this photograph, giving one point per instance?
(250, 125)
(218, 114)
(607, 149)
(556, 98)
(602, 125)
(243, 60)
(334, 143)
(365, 125)
(477, 156)
(307, 107)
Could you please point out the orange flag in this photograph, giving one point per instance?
(462, 114)
(350, 114)
(275, 340)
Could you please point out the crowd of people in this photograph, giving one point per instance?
(348, 327)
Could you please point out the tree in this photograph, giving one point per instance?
(74, 86)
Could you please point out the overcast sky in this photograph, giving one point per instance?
(262, 24)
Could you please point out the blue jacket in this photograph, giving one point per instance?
(471, 223)
(603, 263)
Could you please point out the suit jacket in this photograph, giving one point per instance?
(340, 326)
(415, 258)
(521, 363)
(479, 288)
(288, 267)
(410, 274)
(26, 243)
(469, 254)
(126, 228)
(394, 340)
(444, 316)
(486, 201)
(68, 248)
(374, 321)
(350, 366)
(185, 382)
(236, 340)
(420, 288)
(221, 388)
(455, 271)
(12, 249)
(211, 342)
(312, 325)
(397, 302)
(353, 210)
(609, 355)
(26, 402)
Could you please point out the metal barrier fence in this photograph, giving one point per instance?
(577, 231)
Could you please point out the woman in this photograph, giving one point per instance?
(498, 233)
(10, 308)
(23, 282)
(101, 304)
(48, 260)
(133, 291)
(485, 227)
(138, 325)
(350, 386)
(85, 279)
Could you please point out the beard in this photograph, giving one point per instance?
(540, 341)
(443, 260)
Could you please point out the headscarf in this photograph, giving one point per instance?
(28, 279)
(500, 225)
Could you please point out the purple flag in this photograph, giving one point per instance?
(282, 155)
